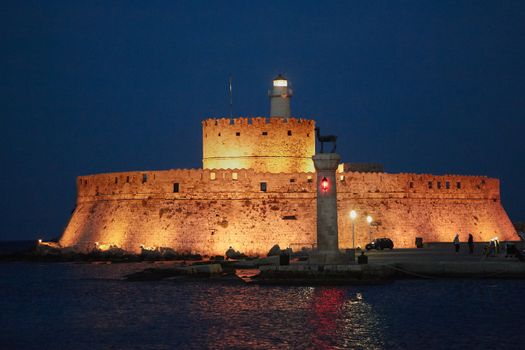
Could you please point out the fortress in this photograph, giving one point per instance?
(257, 188)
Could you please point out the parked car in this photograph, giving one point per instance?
(380, 243)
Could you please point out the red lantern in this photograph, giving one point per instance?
(324, 184)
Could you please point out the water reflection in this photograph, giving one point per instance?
(341, 318)
(83, 306)
(93, 308)
(327, 305)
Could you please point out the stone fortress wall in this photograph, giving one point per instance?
(270, 197)
(206, 211)
(263, 144)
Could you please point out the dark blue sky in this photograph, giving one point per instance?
(88, 87)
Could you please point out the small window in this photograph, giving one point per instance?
(289, 132)
(219, 134)
(234, 176)
(292, 180)
(430, 184)
(265, 133)
(213, 176)
(439, 185)
(447, 185)
(309, 178)
(458, 185)
(341, 178)
(127, 179)
(176, 187)
(116, 180)
(263, 187)
(237, 133)
(308, 134)
(144, 178)
(411, 184)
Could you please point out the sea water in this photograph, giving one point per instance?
(89, 306)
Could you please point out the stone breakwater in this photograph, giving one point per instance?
(348, 273)
(273, 273)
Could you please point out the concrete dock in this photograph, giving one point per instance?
(434, 261)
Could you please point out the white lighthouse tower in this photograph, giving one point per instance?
(280, 95)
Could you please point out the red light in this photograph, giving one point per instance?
(324, 184)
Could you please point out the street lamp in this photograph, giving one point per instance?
(369, 220)
(353, 215)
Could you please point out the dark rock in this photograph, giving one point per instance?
(157, 274)
(153, 274)
(275, 250)
(235, 255)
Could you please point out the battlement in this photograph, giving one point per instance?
(256, 121)
(236, 183)
(419, 185)
(191, 183)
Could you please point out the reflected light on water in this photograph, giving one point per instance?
(343, 320)
(90, 307)
(93, 306)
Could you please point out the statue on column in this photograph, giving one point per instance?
(326, 138)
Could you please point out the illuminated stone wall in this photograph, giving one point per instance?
(263, 144)
(405, 206)
(215, 209)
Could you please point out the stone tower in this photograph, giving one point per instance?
(274, 145)
(280, 95)
(279, 144)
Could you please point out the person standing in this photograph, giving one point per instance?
(470, 243)
(456, 243)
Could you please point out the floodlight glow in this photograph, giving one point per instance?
(353, 214)
(369, 219)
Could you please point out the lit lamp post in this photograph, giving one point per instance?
(353, 215)
(369, 220)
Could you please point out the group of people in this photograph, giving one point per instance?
(470, 243)
(492, 248)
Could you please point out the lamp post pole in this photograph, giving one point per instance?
(353, 215)
(369, 220)
(353, 235)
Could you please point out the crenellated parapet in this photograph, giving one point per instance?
(407, 185)
(257, 121)
(238, 183)
(263, 144)
(192, 183)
